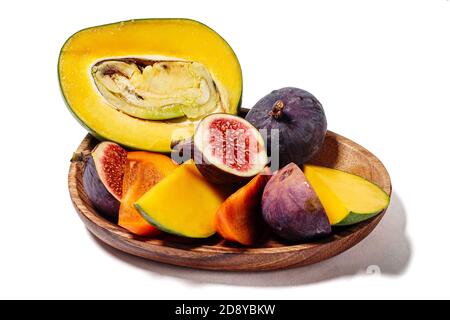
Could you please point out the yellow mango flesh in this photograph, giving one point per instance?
(347, 198)
(177, 38)
(183, 203)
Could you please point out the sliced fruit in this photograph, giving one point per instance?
(184, 203)
(239, 218)
(347, 198)
(120, 80)
(142, 171)
(102, 178)
(291, 207)
(228, 149)
(157, 90)
(109, 159)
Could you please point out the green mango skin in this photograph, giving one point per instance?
(161, 227)
(354, 218)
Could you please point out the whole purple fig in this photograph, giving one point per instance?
(296, 118)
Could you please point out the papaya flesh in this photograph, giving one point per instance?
(239, 218)
(142, 171)
(144, 83)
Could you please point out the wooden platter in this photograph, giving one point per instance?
(214, 253)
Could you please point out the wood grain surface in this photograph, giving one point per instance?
(216, 254)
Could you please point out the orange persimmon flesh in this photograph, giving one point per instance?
(239, 218)
(142, 172)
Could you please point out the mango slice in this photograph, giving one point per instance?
(347, 198)
(184, 203)
(142, 171)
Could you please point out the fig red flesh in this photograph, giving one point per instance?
(231, 141)
(228, 149)
(110, 160)
(103, 176)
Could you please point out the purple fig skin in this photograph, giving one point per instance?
(100, 197)
(291, 207)
(300, 119)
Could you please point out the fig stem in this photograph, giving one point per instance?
(277, 109)
(79, 156)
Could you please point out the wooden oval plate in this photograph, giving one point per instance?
(215, 253)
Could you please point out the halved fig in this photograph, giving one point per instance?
(103, 176)
(228, 149)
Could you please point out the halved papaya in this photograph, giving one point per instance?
(145, 83)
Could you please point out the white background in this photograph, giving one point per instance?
(382, 71)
